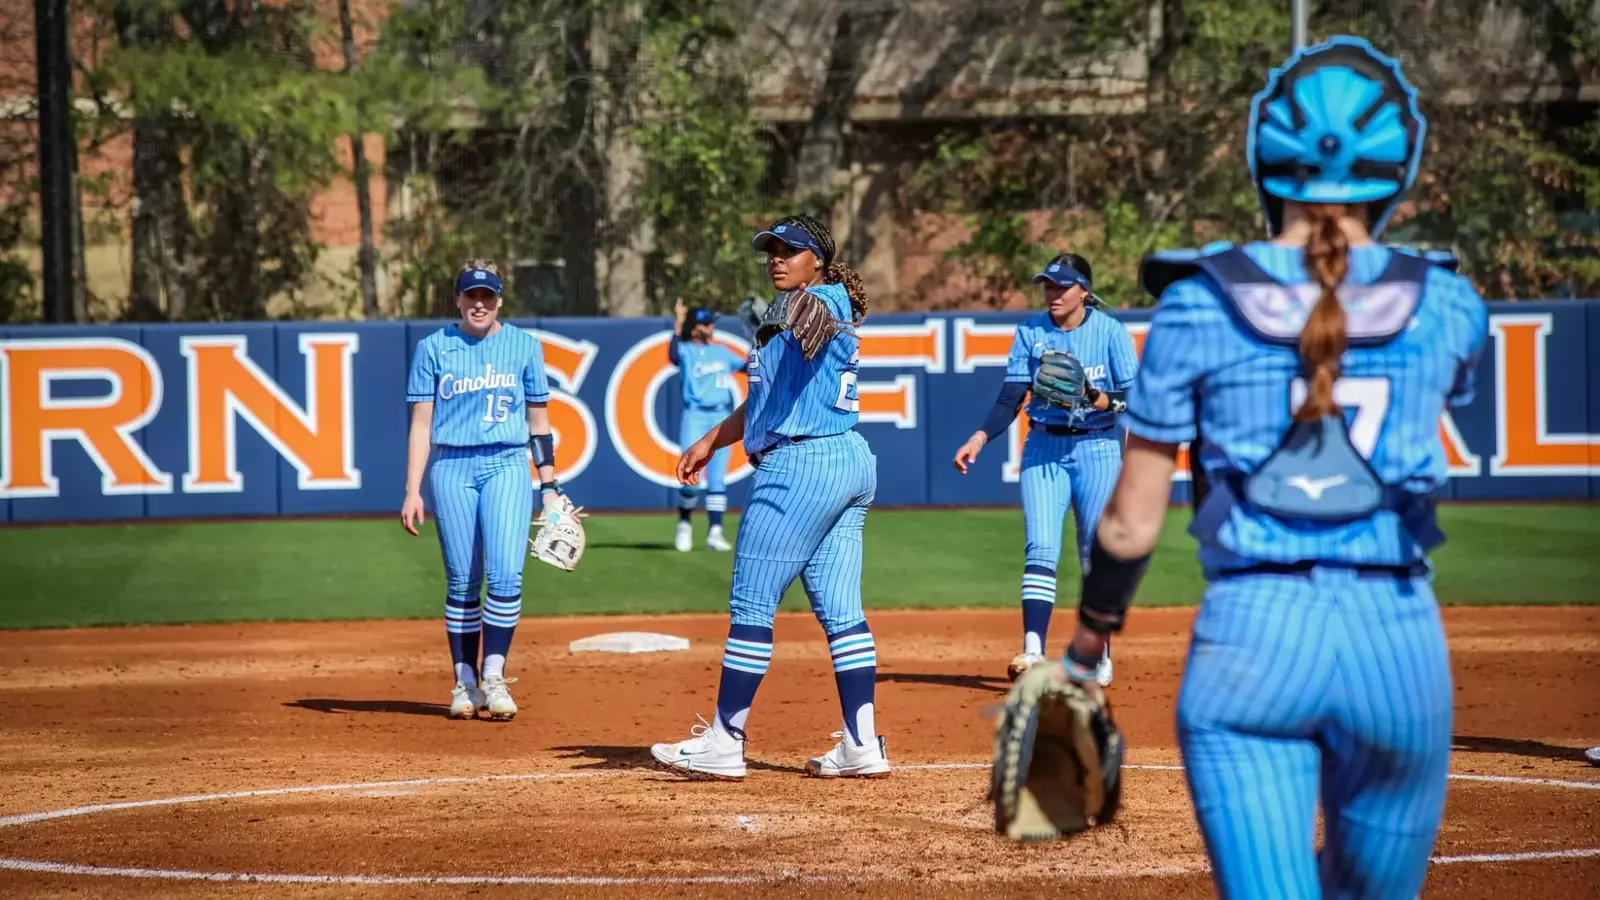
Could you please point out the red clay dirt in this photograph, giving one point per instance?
(100, 716)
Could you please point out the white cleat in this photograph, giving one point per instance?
(715, 541)
(497, 699)
(684, 539)
(1593, 755)
(465, 701)
(1022, 662)
(846, 760)
(1102, 672)
(708, 753)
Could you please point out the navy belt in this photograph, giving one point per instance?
(1304, 568)
(757, 457)
(1066, 430)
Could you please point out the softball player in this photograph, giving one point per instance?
(1311, 371)
(815, 478)
(1070, 458)
(705, 377)
(477, 391)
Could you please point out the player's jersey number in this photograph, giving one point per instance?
(849, 398)
(1369, 397)
(497, 407)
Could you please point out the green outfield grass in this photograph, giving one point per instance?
(355, 569)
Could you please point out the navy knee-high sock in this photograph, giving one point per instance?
(686, 502)
(745, 659)
(463, 621)
(855, 669)
(716, 505)
(499, 624)
(1038, 602)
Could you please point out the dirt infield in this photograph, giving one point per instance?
(359, 785)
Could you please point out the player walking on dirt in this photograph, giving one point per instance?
(1310, 370)
(1071, 457)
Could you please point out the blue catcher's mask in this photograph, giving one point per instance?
(1337, 124)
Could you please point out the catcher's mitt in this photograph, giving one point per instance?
(560, 539)
(1057, 759)
(803, 313)
(1061, 380)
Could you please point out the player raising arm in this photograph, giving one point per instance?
(1318, 666)
(815, 478)
(705, 380)
(478, 400)
(1077, 362)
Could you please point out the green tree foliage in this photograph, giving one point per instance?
(704, 159)
(1510, 176)
(238, 133)
(539, 132)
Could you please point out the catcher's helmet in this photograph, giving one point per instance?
(1338, 123)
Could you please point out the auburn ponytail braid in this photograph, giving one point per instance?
(1324, 337)
(833, 272)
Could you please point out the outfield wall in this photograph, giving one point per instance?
(156, 421)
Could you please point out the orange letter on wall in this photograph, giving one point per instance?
(31, 417)
(631, 405)
(566, 364)
(898, 346)
(1524, 443)
(226, 385)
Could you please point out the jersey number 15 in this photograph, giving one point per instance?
(497, 407)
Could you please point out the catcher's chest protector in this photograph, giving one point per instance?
(1315, 473)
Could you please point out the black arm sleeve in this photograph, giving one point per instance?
(1012, 393)
(672, 352)
(1108, 588)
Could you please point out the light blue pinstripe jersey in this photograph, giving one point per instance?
(1202, 367)
(705, 375)
(1100, 342)
(792, 398)
(480, 388)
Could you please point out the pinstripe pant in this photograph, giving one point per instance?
(483, 504)
(696, 422)
(1333, 686)
(1062, 471)
(808, 503)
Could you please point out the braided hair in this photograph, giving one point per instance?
(1324, 337)
(833, 272)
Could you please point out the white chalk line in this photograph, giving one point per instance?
(1515, 857)
(28, 865)
(28, 818)
(1514, 779)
